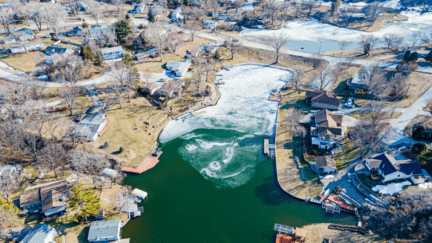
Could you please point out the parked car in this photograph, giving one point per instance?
(350, 102)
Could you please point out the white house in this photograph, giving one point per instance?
(325, 164)
(140, 8)
(7, 171)
(327, 129)
(92, 126)
(112, 52)
(41, 233)
(104, 231)
(210, 24)
(386, 168)
(178, 68)
(176, 14)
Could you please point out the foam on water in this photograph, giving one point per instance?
(211, 140)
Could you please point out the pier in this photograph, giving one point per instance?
(275, 97)
(148, 163)
(269, 149)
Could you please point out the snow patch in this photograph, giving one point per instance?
(391, 188)
(425, 185)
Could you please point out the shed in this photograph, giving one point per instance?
(112, 52)
(104, 231)
(139, 193)
(109, 172)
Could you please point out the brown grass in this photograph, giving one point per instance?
(318, 232)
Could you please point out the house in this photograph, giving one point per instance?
(178, 68)
(356, 85)
(51, 199)
(175, 14)
(82, 6)
(9, 39)
(104, 231)
(25, 48)
(171, 88)
(150, 52)
(60, 50)
(151, 87)
(204, 49)
(26, 34)
(92, 126)
(41, 233)
(112, 52)
(386, 168)
(97, 30)
(210, 24)
(327, 129)
(7, 171)
(76, 30)
(322, 99)
(325, 164)
(139, 9)
(109, 172)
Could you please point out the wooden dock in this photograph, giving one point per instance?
(266, 146)
(275, 97)
(146, 165)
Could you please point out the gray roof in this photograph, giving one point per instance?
(56, 50)
(387, 164)
(38, 234)
(101, 229)
(109, 172)
(111, 50)
(96, 118)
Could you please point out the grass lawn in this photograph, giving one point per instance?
(23, 62)
(319, 232)
(365, 114)
(346, 154)
(301, 182)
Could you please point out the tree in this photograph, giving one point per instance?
(232, 45)
(71, 70)
(88, 163)
(122, 30)
(152, 18)
(123, 78)
(52, 156)
(367, 43)
(128, 60)
(343, 44)
(292, 118)
(271, 9)
(157, 37)
(236, 4)
(72, 6)
(429, 57)
(37, 13)
(56, 14)
(8, 216)
(372, 132)
(86, 201)
(335, 6)
(6, 19)
(418, 148)
(371, 11)
(174, 39)
(326, 77)
(372, 77)
(391, 39)
(296, 79)
(94, 10)
(9, 185)
(192, 27)
(277, 43)
(398, 85)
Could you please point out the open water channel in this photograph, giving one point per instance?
(212, 183)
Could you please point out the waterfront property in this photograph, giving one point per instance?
(327, 129)
(325, 164)
(41, 233)
(179, 69)
(151, 88)
(92, 126)
(50, 199)
(356, 85)
(322, 99)
(385, 168)
(170, 89)
(104, 231)
(112, 52)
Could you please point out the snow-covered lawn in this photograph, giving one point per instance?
(391, 188)
(425, 185)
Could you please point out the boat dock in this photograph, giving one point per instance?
(269, 149)
(275, 97)
(148, 163)
(266, 146)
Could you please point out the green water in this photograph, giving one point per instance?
(184, 205)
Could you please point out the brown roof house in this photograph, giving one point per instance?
(171, 88)
(151, 87)
(52, 198)
(327, 129)
(322, 99)
(325, 164)
(386, 168)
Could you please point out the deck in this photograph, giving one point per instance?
(266, 146)
(146, 165)
(275, 97)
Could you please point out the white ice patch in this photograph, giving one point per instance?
(191, 147)
(425, 185)
(208, 145)
(215, 165)
(391, 188)
(190, 136)
(229, 154)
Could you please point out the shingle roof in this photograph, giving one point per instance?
(29, 198)
(38, 234)
(105, 228)
(326, 97)
(325, 161)
(387, 164)
(111, 50)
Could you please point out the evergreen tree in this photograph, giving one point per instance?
(128, 60)
(429, 57)
(86, 201)
(98, 59)
(86, 53)
(122, 29)
(152, 18)
(186, 2)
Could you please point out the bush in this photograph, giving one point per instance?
(418, 133)
(121, 150)
(418, 148)
(429, 57)
(85, 25)
(152, 18)
(106, 144)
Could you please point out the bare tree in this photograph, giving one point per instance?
(214, 6)
(157, 37)
(292, 118)
(277, 43)
(37, 13)
(71, 70)
(236, 4)
(174, 39)
(72, 6)
(390, 38)
(9, 185)
(107, 38)
(147, 75)
(398, 85)
(88, 163)
(232, 45)
(372, 77)
(367, 43)
(56, 14)
(296, 79)
(192, 27)
(53, 155)
(370, 130)
(272, 9)
(6, 19)
(94, 10)
(326, 77)
(371, 12)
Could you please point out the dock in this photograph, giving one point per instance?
(149, 162)
(275, 97)
(266, 146)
